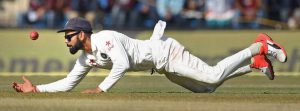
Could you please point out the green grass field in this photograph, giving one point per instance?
(156, 93)
(139, 91)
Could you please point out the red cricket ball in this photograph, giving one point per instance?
(34, 35)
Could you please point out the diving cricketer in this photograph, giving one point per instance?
(112, 50)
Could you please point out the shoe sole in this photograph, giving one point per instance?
(271, 76)
(275, 45)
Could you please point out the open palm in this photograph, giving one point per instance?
(25, 87)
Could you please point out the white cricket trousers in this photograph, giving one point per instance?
(192, 73)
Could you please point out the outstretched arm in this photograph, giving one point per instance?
(66, 84)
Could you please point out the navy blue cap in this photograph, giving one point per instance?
(77, 24)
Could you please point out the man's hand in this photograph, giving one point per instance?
(26, 87)
(91, 91)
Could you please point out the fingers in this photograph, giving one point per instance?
(85, 92)
(17, 87)
(25, 79)
(91, 91)
(14, 85)
(20, 87)
(88, 91)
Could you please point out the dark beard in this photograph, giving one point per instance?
(78, 45)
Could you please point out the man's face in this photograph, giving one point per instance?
(72, 41)
(70, 38)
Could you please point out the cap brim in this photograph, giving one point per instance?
(64, 30)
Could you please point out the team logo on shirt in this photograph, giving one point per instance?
(109, 45)
(104, 56)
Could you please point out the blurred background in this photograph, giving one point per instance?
(210, 29)
(143, 14)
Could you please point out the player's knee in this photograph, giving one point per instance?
(216, 77)
(209, 79)
(214, 81)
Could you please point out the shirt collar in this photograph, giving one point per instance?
(93, 44)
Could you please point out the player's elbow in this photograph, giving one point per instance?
(123, 67)
(126, 67)
(214, 81)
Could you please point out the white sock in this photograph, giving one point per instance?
(255, 48)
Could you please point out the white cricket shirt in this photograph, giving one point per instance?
(110, 50)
